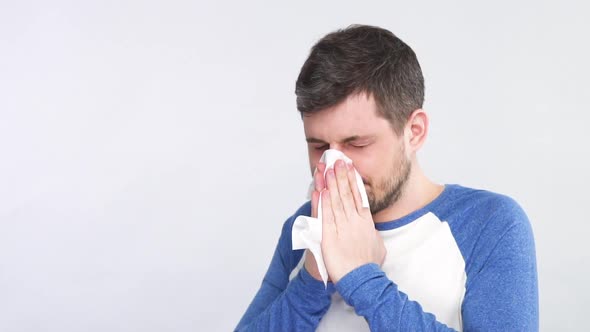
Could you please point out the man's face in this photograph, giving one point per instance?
(355, 128)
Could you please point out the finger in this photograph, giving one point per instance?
(315, 196)
(356, 194)
(328, 223)
(344, 188)
(321, 182)
(318, 178)
(334, 195)
(321, 167)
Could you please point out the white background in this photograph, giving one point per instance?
(150, 152)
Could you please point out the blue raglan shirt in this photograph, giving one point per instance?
(466, 261)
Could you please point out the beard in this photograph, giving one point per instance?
(386, 192)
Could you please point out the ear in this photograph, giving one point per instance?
(416, 130)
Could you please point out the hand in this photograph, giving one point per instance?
(349, 237)
(318, 177)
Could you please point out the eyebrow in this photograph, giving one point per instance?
(346, 140)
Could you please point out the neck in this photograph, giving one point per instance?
(417, 192)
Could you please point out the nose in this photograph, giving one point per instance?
(336, 147)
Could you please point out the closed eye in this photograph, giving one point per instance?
(321, 147)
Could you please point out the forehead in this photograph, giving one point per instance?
(356, 115)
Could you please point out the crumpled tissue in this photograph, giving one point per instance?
(307, 231)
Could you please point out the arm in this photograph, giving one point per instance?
(385, 308)
(281, 305)
(501, 295)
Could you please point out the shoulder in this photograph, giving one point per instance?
(483, 206)
(481, 219)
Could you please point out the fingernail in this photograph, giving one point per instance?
(331, 172)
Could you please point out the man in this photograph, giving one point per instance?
(424, 256)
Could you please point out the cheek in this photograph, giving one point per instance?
(364, 167)
(370, 166)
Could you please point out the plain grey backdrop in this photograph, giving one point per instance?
(150, 151)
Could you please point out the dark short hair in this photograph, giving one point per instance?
(357, 59)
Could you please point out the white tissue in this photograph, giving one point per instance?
(307, 231)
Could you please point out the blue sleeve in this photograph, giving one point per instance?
(385, 308)
(501, 296)
(281, 305)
